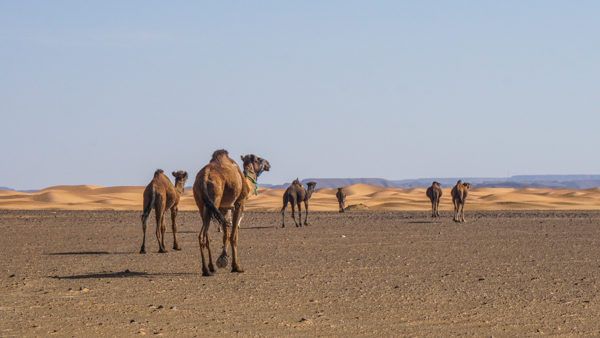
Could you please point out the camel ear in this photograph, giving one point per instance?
(174, 174)
(242, 157)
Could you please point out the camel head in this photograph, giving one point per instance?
(467, 185)
(256, 164)
(296, 182)
(436, 184)
(311, 189)
(340, 189)
(180, 177)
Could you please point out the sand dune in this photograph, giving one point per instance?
(88, 197)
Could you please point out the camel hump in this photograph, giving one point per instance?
(219, 153)
(158, 172)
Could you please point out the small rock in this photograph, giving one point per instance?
(132, 321)
(305, 321)
(481, 279)
(82, 289)
(343, 236)
(11, 276)
(174, 308)
(160, 307)
(127, 271)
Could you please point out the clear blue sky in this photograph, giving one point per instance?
(105, 92)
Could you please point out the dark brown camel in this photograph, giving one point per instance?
(219, 187)
(435, 195)
(295, 194)
(459, 196)
(161, 195)
(341, 198)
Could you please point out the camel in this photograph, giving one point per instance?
(459, 196)
(295, 194)
(341, 197)
(435, 194)
(219, 187)
(161, 195)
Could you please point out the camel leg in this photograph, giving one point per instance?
(159, 212)
(299, 213)
(159, 232)
(462, 212)
(174, 211)
(306, 211)
(163, 230)
(437, 208)
(455, 210)
(432, 208)
(144, 226)
(238, 214)
(202, 241)
(228, 216)
(285, 203)
(294, 213)
(223, 260)
(211, 266)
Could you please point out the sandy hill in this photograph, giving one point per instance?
(362, 196)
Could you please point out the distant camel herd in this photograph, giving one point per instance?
(221, 189)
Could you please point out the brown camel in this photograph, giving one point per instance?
(435, 195)
(219, 187)
(161, 195)
(459, 196)
(295, 194)
(341, 198)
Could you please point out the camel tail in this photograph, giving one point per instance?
(210, 204)
(149, 204)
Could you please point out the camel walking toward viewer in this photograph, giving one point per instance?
(435, 195)
(161, 195)
(341, 198)
(459, 196)
(219, 187)
(295, 194)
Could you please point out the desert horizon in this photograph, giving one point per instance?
(359, 196)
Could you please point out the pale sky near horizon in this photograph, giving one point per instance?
(105, 92)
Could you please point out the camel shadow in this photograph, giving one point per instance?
(82, 253)
(258, 227)
(121, 274)
(423, 222)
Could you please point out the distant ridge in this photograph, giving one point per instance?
(517, 181)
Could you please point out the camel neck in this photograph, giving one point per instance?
(179, 187)
(309, 192)
(252, 177)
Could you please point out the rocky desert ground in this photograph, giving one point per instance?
(362, 273)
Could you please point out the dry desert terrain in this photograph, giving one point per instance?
(362, 273)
